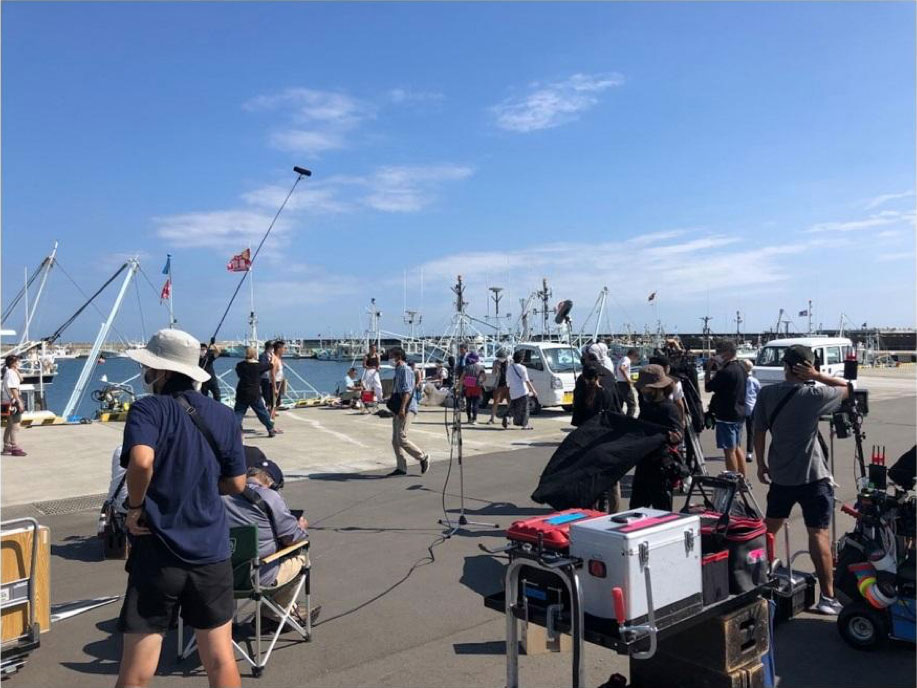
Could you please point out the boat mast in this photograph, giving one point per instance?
(133, 266)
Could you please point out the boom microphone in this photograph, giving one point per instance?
(302, 170)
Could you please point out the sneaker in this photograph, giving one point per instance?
(278, 431)
(505, 423)
(424, 464)
(7, 451)
(16, 451)
(528, 427)
(828, 605)
(398, 471)
(271, 433)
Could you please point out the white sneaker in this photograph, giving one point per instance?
(828, 605)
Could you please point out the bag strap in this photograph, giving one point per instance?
(196, 419)
(781, 404)
(258, 501)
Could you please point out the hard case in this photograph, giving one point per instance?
(616, 549)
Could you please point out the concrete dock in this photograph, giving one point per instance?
(401, 606)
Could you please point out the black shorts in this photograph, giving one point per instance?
(816, 500)
(159, 583)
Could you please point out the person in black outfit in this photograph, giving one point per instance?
(248, 390)
(589, 397)
(267, 389)
(208, 355)
(652, 481)
(726, 377)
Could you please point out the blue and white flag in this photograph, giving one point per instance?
(168, 267)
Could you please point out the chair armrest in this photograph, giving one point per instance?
(280, 553)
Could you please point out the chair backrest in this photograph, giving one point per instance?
(243, 547)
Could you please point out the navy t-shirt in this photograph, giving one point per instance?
(183, 506)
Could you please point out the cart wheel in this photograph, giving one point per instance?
(863, 627)
(257, 671)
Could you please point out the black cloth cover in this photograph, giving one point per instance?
(903, 472)
(595, 456)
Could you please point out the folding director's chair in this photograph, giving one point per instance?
(246, 565)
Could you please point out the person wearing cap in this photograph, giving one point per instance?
(725, 377)
(176, 521)
(652, 485)
(265, 479)
(796, 466)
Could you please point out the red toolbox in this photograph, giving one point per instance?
(551, 530)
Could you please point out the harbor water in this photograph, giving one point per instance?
(325, 376)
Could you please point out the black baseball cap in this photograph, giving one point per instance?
(255, 458)
(798, 354)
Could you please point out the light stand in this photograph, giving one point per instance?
(452, 527)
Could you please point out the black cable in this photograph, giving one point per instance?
(83, 294)
(18, 297)
(60, 330)
(252, 262)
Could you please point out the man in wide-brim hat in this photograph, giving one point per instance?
(181, 451)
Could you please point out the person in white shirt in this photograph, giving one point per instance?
(752, 387)
(624, 382)
(520, 387)
(12, 402)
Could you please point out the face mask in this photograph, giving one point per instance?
(148, 385)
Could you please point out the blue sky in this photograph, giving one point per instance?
(727, 156)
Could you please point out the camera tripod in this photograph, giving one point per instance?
(453, 526)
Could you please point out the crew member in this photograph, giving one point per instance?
(403, 406)
(725, 377)
(796, 465)
(208, 355)
(371, 379)
(652, 486)
(180, 536)
(12, 400)
(624, 382)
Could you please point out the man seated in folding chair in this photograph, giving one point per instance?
(261, 505)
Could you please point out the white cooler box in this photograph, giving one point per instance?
(616, 548)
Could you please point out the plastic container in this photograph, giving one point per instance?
(552, 530)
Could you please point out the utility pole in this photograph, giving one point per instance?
(738, 327)
(497, 296)
(706, 333)
(545, 296)
(809, 313)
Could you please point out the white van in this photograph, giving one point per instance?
(830, 353)
(552, 368)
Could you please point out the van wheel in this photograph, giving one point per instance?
(567, 407)
(534, 406)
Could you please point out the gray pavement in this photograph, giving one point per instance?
(395, 616)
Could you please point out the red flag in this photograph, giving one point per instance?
(652, 296)
(166, 291)
(241, 262)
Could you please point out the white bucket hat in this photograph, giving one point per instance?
(172, 350)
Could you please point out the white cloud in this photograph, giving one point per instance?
(883, 218)
(550, 105)
(227, 230)
(889, 257)
(316, 121)
(406, 95)
(409, 188)
(885, 198)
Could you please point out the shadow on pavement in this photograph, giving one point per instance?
(482, 574)
(78, 548)
(492, 647)
(342, 477)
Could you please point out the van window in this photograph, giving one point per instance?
(532, 359)
(771, 356)
(819, 357)
(562, 360)
(833, 355)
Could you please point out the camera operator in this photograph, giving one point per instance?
(725, 377)
(208, 355)
(796, 467)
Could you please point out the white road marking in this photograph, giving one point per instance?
(318, 426)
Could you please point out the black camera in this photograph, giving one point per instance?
(853, 409)
(709, 420)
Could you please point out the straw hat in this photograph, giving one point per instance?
(171, 350)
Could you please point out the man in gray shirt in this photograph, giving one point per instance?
(286, 529)
(796, 467)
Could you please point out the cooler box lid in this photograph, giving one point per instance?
(554, 529)
(634, 523)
